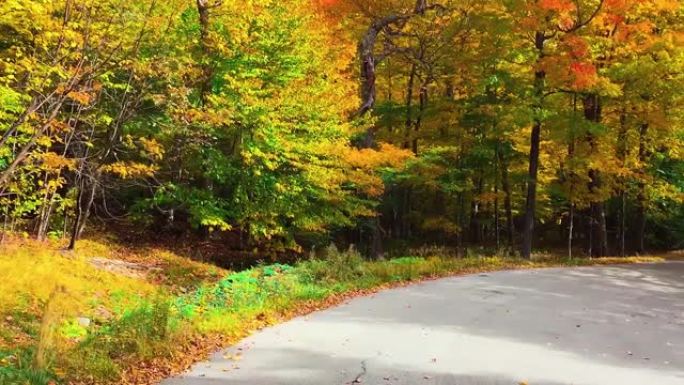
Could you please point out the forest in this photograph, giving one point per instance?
(245, 132)
(285, 125)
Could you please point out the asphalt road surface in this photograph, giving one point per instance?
(618, 325)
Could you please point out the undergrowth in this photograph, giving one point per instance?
(154, 322)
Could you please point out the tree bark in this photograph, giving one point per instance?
(203, 8)
(506, 186)
(421, 111)
(571, 229)
(592, 112)
(409, 103)
(641, 195)
(622, 155)
(535, 139)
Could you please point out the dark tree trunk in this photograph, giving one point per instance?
(571, 228)
(641, 194)
(622, 155)
(421, 111)
(592, 112)
(461, 225)
(590, 233)
(535, 139)
(641, 222)
(475, 225)
(203, 8)
(601, 229)
(506, 186)
(497, 227)
(409, 103)
(623, 223)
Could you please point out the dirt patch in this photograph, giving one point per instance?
(129, 269)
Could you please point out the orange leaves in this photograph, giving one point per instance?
(54, 162)
(565, 10)
(576, 46)
(557, 5)
(572, 65)
(80, 97)
(584, 74)
(566, 71)
(386, 156)
(327, 3)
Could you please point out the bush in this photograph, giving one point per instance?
(333, 266)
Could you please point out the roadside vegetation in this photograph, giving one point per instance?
(96, 316)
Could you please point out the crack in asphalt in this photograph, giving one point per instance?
(364, 370)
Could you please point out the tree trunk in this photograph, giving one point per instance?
(602, 231)
(203, 8)
(475, 226)
(506, 186)
(535, 139)
(592, 112)
(623, 223)
(571, 229)
(641, 195)
(590, 234)
(641, 222)
(409, 102)
(84, 202)
(421, 112)
(497, 234)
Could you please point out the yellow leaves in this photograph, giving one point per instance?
(51, 161)
(130, 170)
(152, 148)
(213, 223)
(386, 155)
(363, 164)
(44, 141)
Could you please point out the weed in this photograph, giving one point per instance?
(334, 266)
(17, 368)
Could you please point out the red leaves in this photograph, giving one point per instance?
(557, 5)
(585, 75)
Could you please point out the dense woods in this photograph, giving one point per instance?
(284, 126)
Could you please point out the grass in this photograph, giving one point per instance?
(142, 328)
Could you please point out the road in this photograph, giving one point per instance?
(617, 325)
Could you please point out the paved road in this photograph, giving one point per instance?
(618, 325)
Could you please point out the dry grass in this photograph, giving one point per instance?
(32, 272)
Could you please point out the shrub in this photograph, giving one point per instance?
(333, 266)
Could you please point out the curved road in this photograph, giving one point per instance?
(618, 325)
